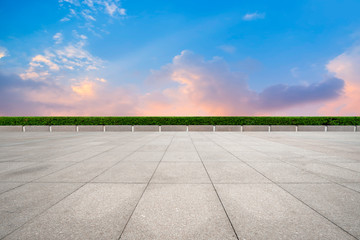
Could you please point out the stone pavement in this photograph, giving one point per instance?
(199, 185)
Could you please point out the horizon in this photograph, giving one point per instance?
(179, 58)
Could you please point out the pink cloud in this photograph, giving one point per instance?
(188, 86)
(347, 67)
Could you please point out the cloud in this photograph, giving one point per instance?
(281, 95)
(3, 52)
(111, 8)
(346, 66)
(199, 87)
(228, 48)
(253, 16)
(294, 72)
(89, 8)
(12, 100)
(83, 97)
(71, 57)
(58, 37)
(189, 85)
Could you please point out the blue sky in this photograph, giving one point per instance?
(179, 57)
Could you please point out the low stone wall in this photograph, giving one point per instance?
(90, 128)
(118, 128)
(63, 128)
(146, 128)
(228, 128)
(36, 128)
(311, 128)
(256, 128)
(180, 128)
(174, 128)
(283, 128)
(341, 128)
(201, 128)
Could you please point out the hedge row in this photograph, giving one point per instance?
(179, 120)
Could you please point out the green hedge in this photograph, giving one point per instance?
(179, 120)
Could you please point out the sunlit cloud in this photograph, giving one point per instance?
(3, 52)
(189, 85)
(70, 57)
(253, 16)
(347, 67)
(210, 88)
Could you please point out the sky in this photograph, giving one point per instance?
(179, 58)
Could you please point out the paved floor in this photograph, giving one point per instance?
(180, 185)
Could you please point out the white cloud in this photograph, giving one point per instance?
(39, 59)
(122, 11)
(75, 2)
(294, 72)
(228, 48)
(110, 8)
(87, 15)
(58, 37)
(3, 52)
(65, 19)
(253, 16)
(54, 61)
(90, 8)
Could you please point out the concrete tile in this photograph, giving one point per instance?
(128, 172)
(331, 159)
(181, 157)
(180, 172)
(153, 148)
(96, 211)
(337, 203)
(255, 156)
(265, 211)
(330, 172)
(353, 186)
(7, 166)
(168, 211)
(181, 147)
(233, 172)
(109, 156)
(283, 172)
(78, 156)
(32, 172)
(217, 156)
(23, 203)
(208, 147)
(144, 156)
(79, 172)
(4, 186)
(351, 166)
